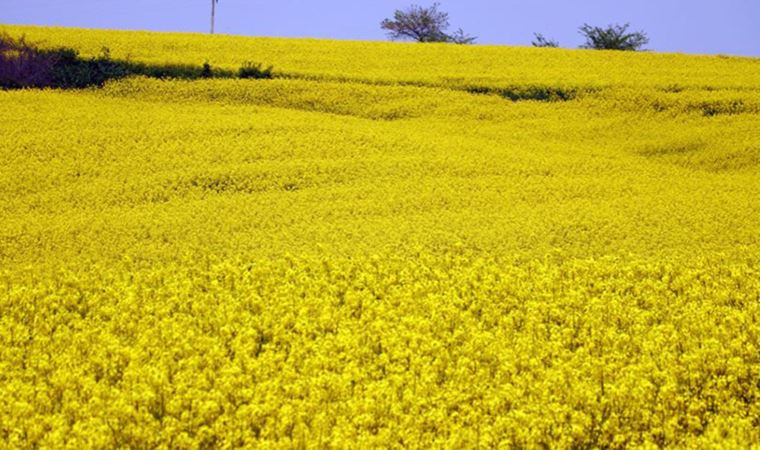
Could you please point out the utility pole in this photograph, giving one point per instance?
(213, 12)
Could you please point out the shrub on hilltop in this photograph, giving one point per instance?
(613, 37)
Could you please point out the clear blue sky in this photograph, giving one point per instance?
(692, 26)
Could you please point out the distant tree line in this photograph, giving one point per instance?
(429, 24)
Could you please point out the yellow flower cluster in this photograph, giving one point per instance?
(452, 350)
(382, 248)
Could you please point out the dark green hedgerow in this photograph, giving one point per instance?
(25, 65)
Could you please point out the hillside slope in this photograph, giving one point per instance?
(387, 245)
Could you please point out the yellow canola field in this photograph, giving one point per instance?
(449, 65)
(365, 253)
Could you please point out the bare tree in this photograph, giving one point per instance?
(422, 24)
(459, 37)
(541, 41)
(213, 13)
(613, 37)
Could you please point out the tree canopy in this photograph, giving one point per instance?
(541, 41)
(423, 24)
(613, 37)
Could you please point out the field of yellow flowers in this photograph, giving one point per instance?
(387, 245)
